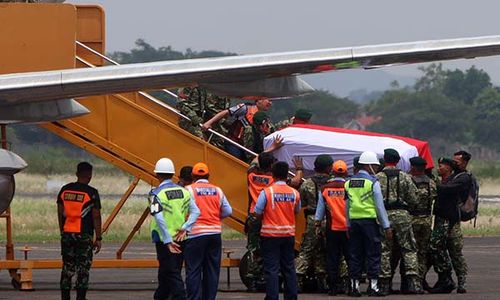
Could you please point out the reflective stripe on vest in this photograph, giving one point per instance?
(74, 211)
(208, 199)
(334, 195)
(175, 204)
(279, 213)
(361, 199)
(256, 183)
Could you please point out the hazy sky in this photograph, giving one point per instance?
(261, 26)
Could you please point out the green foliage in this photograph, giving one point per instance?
(327, 109)
(144, 52)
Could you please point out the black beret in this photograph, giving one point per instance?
(418, 161)
(303, 114)
(323, 160)
(446, 161)
(259, 117)
(391, 155)
(355, 161)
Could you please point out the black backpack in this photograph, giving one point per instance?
(469, 208)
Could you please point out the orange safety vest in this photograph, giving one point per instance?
(208, 199)
(237, 128)
(73, 201)
(334, 194)
(256, 183)
(279, 213)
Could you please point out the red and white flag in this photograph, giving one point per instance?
(309, 141)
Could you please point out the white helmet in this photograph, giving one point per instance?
(368, 158)
(165, 166)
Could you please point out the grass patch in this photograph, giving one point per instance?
(35, 220)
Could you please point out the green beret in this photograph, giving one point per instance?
(418, 161)
(303, 114)
(259, 117)
(391, 155)
(323, 160)
(355, 161)
(446, 161)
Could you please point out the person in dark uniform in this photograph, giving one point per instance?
(79, 215)
(185, 176)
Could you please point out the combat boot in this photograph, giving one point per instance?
(342, 285)
(322, 283)
(461, 285)
(373, 289)
(412, 285)
(354, 290)
(384, 286)
(66, 294)
(444, 285)
(81, 294)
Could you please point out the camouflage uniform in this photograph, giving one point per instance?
(422, 219)
(200, 106)
(447, 237)
(76, 250)
(397, 199)
(255, 264)
(312, 249)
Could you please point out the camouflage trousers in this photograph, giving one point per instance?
(446, 245)
(402, 245)
(422, 228)
(312, 253)
(192, 127)
(76, 251)
(255, 262)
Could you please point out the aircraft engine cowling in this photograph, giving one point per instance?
(10, 164)
(7, 188)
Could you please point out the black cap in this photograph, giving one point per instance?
(322, 161)
(418, 161)
(391, 155)
(447, 161)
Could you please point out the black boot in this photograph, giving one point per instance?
(461, 285)
(322, 283)
(65, 294)
(373, 289)
(444, 285)
(384, 285)
(80, 294)
(354, 290)
(412, 285)
(342, 285)
(404, 285)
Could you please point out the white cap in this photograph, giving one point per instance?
(369, 158)
(165, 166)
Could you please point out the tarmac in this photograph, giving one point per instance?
(482, 254)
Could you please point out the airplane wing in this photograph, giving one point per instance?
(246, 70)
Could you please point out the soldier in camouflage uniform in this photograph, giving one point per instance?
(446, 239)
(312, 249)
(302, 116)
(78, 210)
(422, 212)
(259, 177)
(199, 106)
(253, 135)
(399, 193)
